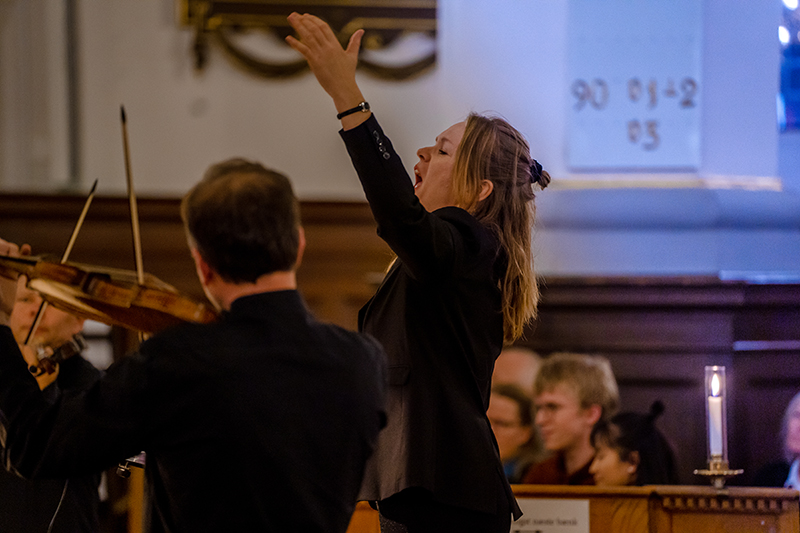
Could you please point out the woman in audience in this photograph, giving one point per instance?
(784, 473)
(630, 450)
(511, 415)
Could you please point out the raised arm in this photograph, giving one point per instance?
(333, 66)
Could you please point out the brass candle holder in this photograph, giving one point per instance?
(718, 470)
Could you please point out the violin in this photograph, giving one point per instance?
(50, 358)
(107, 295)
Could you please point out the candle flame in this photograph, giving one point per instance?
(715, 385)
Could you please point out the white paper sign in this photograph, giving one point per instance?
(552, 516)
(634, 84)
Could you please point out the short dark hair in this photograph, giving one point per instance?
(244, 220)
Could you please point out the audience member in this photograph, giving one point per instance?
(572, 393)
(517, 365)
(630, 450)
(784, 473)
(511, 415)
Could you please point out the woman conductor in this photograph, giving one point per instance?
(462, 285)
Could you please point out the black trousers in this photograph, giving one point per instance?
(416, 509)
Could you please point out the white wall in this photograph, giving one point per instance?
(179, 122)
(504, 56)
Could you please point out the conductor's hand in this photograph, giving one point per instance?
(8, 285)
(334, 67)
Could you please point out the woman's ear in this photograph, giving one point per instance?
(634, 459)
(487, 187)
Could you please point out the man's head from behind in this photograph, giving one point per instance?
(572, 392)
(243, 220)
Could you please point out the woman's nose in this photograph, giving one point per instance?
(424, 153)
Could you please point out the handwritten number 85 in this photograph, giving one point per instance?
(595, 94)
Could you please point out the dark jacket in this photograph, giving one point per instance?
(260, 422)
(29, 506)
(552, 471)
(438, 314)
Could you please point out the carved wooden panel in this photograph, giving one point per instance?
(658, 332)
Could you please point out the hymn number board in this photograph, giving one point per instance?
(634, 84)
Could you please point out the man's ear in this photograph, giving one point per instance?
(301, 246)
(204, 272)
(634, 460)
(487, 186)
(594, 412)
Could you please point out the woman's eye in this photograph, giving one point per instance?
(442, 152)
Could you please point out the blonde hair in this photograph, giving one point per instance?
(491, 149)
(589, 375)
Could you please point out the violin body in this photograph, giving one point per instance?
(110, 296)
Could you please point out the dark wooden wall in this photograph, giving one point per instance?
(658, 332)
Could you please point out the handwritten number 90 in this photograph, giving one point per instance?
(595, 93)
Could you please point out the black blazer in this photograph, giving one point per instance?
(262, 421)
(438, 314)
(29, 506)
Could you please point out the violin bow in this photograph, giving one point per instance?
(43, 306)
(137, 238)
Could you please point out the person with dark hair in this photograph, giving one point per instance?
(262, 421)
(463, 285)
(511, 415)
(632, 451)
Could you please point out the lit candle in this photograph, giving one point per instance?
(715, 418)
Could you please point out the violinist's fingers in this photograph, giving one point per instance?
(44, 379)
(25, 249)
(29, 355)
(10, 249)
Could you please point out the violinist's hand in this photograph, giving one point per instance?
(334, 67)
(44, 375)
(8, 286)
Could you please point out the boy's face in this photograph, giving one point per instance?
(563, 423)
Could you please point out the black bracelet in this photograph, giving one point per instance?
(363, 107)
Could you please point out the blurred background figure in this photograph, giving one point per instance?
(517, 365)
(51, 505)
(630, 450)
(511, 415)
(572, 393)
(785, 472)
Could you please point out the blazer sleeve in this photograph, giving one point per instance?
(430, 245)
(68, 433)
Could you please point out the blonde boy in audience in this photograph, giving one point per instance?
(572, 392)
